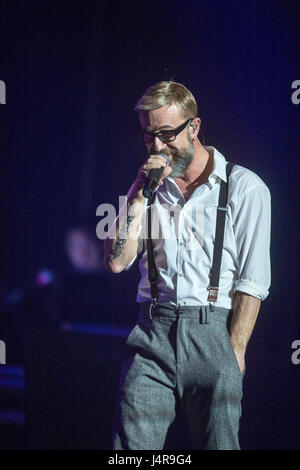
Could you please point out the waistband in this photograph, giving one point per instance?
(166, 310)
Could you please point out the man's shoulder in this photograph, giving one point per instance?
(243, 181)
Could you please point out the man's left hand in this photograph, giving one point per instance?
(240, 356)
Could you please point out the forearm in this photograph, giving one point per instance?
(245, 311)
(121, 244)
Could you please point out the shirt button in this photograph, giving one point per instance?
(181, 274)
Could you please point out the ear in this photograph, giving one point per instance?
(195, 124)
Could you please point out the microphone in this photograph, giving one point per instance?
(153, 178)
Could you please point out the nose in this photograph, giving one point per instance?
(158, 145)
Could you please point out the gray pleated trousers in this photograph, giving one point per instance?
(179, 356)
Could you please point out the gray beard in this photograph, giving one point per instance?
(181, 161)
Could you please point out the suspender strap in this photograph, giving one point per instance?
(219, 237)
(152, 270)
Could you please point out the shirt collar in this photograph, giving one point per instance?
(219, 170)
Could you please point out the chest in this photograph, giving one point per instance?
(187, 208)
(187, 189)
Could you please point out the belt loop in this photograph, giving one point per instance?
(206, 315)
(212, 306)
(203, 315)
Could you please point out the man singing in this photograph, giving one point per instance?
(211, 272)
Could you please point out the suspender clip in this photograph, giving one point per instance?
(153, 305)
(213, 294)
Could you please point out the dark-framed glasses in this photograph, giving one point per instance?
(164, 136)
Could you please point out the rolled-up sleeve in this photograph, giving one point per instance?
(252, 227)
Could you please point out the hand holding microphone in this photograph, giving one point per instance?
(156, 165)
(147, 181)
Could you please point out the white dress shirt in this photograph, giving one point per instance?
(183, 247)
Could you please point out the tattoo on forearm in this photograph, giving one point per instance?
(121, 239)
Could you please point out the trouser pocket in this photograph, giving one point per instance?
(133, 334)
(232, 353)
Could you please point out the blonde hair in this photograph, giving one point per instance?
(167, 93)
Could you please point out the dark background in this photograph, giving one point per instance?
(74, 71)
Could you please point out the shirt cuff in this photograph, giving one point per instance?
(251, 288)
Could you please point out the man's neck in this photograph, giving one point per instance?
(199, 170)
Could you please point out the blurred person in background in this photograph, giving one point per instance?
(81, 291)
(77, 291)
